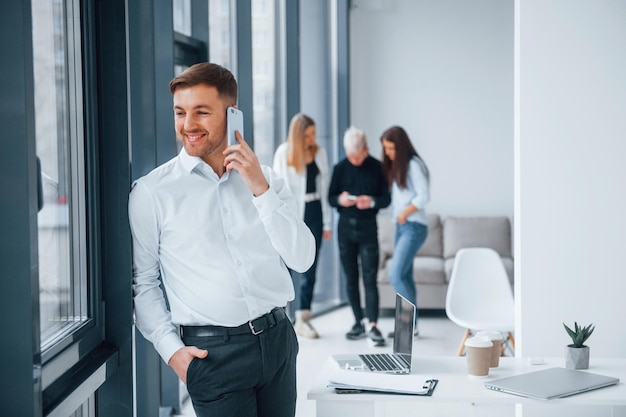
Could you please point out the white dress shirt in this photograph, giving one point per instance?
(417, 192)
(220, 251)
(297, 181)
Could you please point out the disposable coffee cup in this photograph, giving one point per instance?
(478, 354)
(497, 339)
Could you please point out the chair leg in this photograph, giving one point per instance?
(462, 347)
(511, 341)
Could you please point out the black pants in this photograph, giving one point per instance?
(358, 241)
(304, 283)
(245, 375)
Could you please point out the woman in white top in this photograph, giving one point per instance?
(409, 180)
(304, 165)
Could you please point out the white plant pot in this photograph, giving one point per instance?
(577, 358)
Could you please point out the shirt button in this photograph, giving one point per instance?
(238, 262)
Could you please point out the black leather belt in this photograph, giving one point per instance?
(254, 327)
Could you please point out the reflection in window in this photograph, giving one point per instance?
(59, 145)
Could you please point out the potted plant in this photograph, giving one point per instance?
(577, 354)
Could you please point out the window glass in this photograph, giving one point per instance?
(182, 16)
(222, 32)
(59, 145)
(265, 90)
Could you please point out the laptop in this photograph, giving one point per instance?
(551, 383)
(398, 362)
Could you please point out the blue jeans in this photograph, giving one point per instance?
(408, 240)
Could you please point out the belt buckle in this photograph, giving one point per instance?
(254, 332)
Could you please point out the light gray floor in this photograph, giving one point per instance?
(438, 337)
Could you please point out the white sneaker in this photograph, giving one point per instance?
(302, 325)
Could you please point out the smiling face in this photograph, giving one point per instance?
(200, 122)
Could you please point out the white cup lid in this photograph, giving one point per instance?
(492, 335)
(479, 341)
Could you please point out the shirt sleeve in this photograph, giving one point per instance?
(289, 235)
(152, 317)
(418, 179)
(334, 188)
(322, 161)
(383, 198)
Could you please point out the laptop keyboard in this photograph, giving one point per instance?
(381, 362)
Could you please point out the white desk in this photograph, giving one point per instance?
(458, 395)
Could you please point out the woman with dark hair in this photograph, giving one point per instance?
(409, 181)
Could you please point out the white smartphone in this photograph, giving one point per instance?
(351, 197)
(234, 121)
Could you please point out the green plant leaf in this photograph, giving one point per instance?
(580, 334)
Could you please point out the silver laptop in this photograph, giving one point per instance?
(398, 362)
(551, 383)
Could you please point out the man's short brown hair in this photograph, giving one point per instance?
(209, 74)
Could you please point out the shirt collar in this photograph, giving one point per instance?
(189, 162)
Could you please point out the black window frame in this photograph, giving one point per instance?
(97, 356)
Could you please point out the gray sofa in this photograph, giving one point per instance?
(432, 266)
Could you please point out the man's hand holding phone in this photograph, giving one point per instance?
(346, 199)
(234, 123)
(239, 156)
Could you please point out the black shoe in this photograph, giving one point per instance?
(376, 337)
(357, 332)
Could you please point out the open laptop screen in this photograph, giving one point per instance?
(403, 327)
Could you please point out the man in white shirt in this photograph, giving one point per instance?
(219, 230)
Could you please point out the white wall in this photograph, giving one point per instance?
(571, 192)
(443, 70)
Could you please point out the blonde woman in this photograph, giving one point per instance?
(304, 165)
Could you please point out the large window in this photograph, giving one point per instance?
(222, 34)
(181, 10)
(59, 144)
(265, 78)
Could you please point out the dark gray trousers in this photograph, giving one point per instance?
(245, 375)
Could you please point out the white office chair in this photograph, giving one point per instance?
(479, 295)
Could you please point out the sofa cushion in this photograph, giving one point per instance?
(433, 246)
(429, 270)
(476, 232)
(426, 270)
